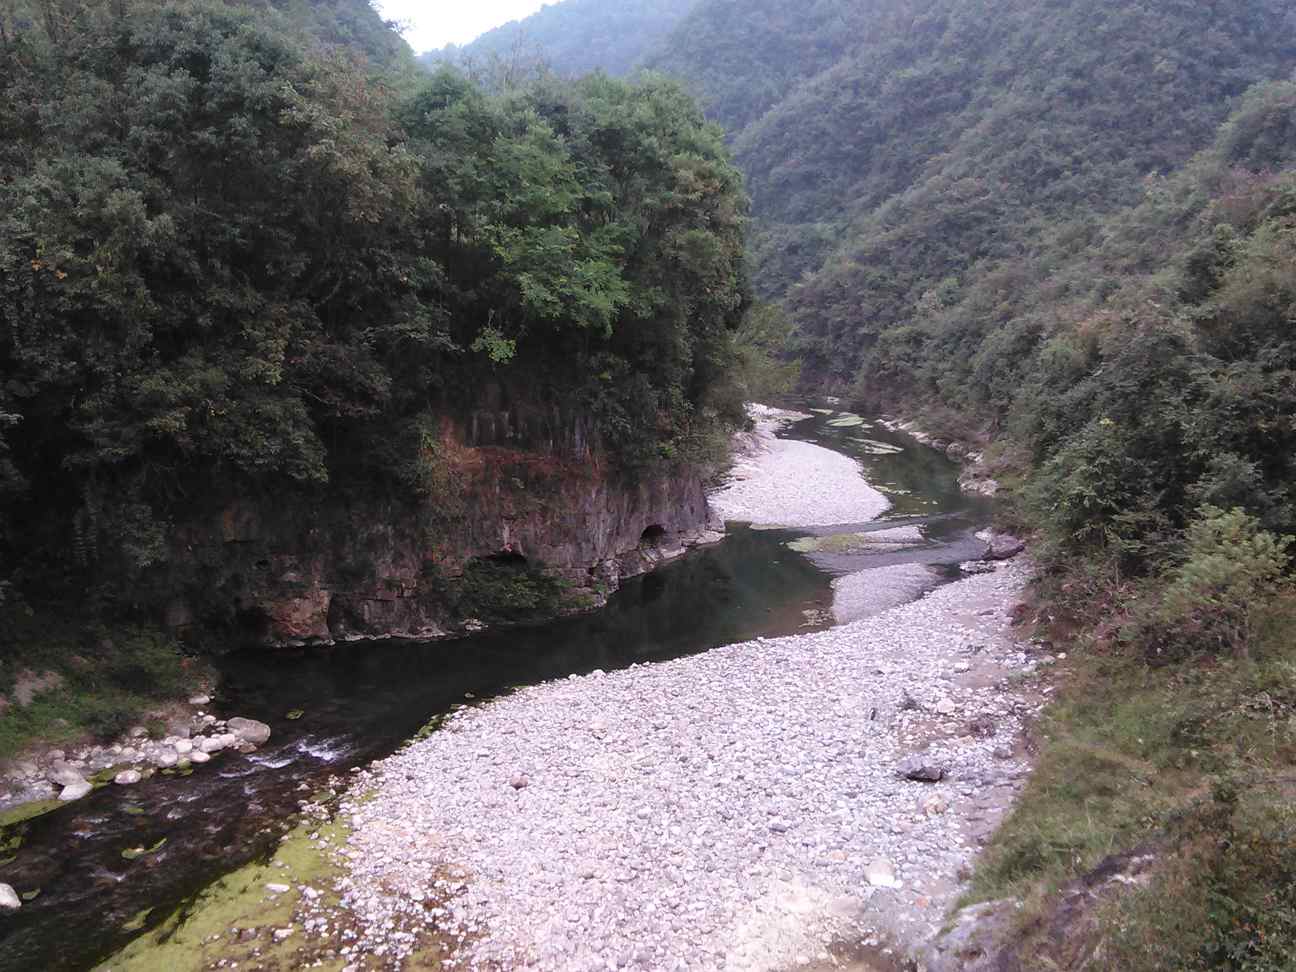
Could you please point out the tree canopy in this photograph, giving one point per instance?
(237, 255)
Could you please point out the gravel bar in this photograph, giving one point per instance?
(747, 808)
(782, 482)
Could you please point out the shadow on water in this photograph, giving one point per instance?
(361, 702)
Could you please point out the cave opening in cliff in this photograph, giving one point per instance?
(654, 536)
(252, 622)
(507, 558)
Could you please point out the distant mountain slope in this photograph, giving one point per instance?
(897, 148)
(745, 58)
(348, 23)
(575, 37)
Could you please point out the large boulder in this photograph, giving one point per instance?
(250, 731)
(9, 900)
(1003, 546)
(61, 774)
(920, 770)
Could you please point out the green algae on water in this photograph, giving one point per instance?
(27, 811)
(847, 421)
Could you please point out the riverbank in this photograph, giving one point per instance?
(786, 483)
(759, 806)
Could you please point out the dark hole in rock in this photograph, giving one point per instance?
(507, 558)
(654, 536)
(253, 622)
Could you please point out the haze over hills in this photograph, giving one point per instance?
(576, 37)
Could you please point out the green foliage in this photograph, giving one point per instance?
(110, 677)
(1225, 901)
(1131, 753)
(502, 591)
(236, 257)
(763, 371)
(1231, 568)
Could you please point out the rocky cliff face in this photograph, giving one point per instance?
(528, 523)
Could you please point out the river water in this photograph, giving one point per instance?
(360, 702)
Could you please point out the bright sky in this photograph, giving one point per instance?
(431, 24)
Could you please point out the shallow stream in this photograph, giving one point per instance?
(360, 702)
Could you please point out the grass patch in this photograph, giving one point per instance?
(109, 677)
(1198, 758)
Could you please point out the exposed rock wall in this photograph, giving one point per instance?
(292, 570)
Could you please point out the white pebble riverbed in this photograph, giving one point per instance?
(782, 482)
(738, 809)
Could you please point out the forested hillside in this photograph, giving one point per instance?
(574, 37)
(241, 256)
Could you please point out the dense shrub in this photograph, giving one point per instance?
(1230, 570)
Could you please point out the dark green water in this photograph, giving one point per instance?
(362, 701)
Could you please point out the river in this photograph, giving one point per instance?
(360, 702)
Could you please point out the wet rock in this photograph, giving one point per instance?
(75, 791)
(250, 731)
(61, 774)
(301, 620)
(9, 900)
(128, 777)
(919, 770)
